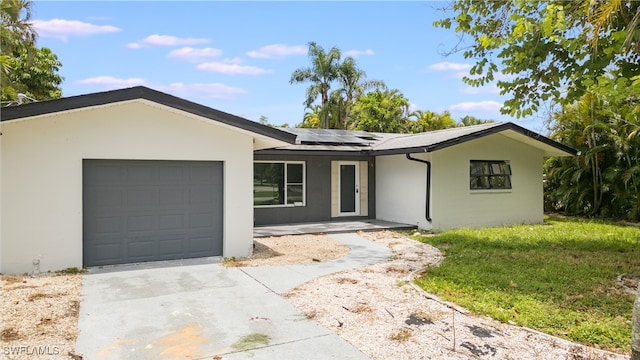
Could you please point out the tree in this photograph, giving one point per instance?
(311, 118)
(547, 49)
(25, 68)
(353, 84)
(472, 120)
(381, 111)
(428, 121)
(37, 78)
(585, 56)
(323, 71)
(604, 179)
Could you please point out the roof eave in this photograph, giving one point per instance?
(141, 92)
(551, 148)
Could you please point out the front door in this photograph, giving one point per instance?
(349, 198)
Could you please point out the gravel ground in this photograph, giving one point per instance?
(294, 249)
(39, 315)
(382, 313)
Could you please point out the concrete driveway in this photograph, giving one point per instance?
(200, 311)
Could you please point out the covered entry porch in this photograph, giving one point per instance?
(328, 227)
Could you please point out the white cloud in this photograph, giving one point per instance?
(277, 51)
(480, 106)
(111, 82)
(187, 91)
(413, 107)
(208, 90)
(358, 53)
(232, 69)
(165, 40)
(61, 29)
(449, 66)
(192, 54)
(235, 60)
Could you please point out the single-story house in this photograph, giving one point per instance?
(137, 175)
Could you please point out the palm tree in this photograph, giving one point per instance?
(352, 85)
(324, 70)
(16, 30)
(602, 13)
(311, 118)
(16, 33)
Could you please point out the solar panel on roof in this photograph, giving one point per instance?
(332, 136)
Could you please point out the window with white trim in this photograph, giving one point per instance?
(279, 183)
(489, 174)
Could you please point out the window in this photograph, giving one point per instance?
(278, 183)
(490, 175)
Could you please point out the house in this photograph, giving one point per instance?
(137, 175)
(472, 176)
(125, 176)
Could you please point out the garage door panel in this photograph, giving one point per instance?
(138, 211)
(142, 197)
(108, 225)
(139, 174)
(201, 220)
(141, 249)
(105, 198)
(201, 195)
(200, 245)
(142, 223)
(106, 253)
(171, 222)
(171, 247)
(201, 174)
(171, 198)
(104, 174)
(168, 174)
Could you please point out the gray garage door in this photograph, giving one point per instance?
(138, 211)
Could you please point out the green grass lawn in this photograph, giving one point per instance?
(558, 278)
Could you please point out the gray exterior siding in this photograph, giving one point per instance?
(318, 191)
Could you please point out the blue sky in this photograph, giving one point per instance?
(238, 56)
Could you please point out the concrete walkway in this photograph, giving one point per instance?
(281, 279)
(328, 227)
(203, 310)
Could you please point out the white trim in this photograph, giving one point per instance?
(304, 184)
(356, 164)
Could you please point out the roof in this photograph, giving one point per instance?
(324, 141)
(141, 92)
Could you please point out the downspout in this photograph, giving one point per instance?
(427, 210)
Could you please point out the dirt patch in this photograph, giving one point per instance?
(39, 314)
(292, 249)
(628, 282)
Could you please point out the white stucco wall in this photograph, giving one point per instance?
(41, 175)
(455, 205)
(401, 186)
(401, 189)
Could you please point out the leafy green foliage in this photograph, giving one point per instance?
(428, 120)
(558, 278)
(24, 68)
(381, 111)
(548, 50)
(36, 77)
(604, 179)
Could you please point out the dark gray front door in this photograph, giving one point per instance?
(136, 211)
(349, 192)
